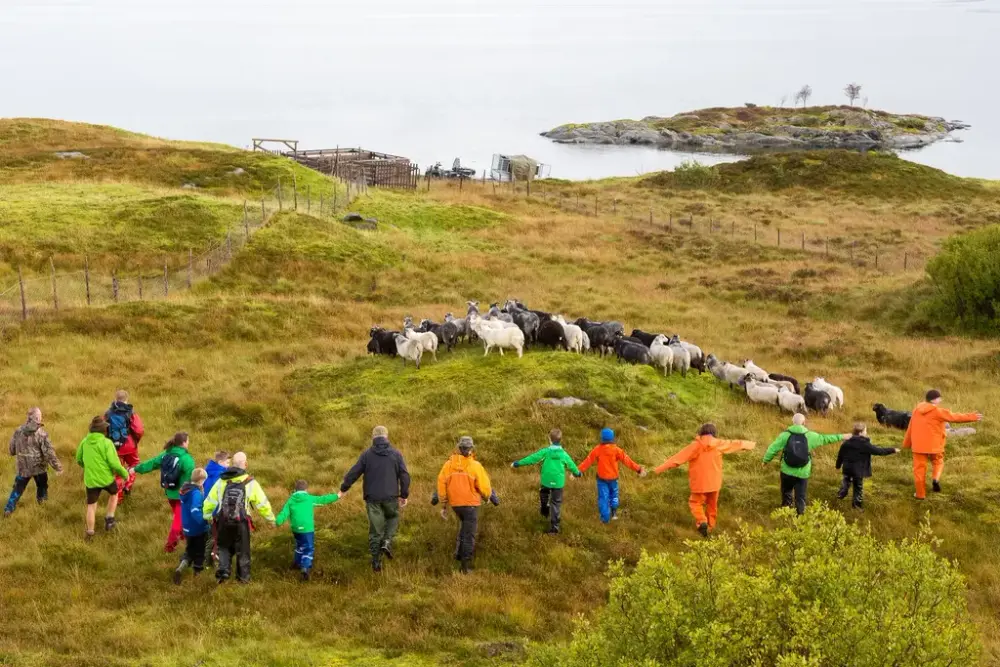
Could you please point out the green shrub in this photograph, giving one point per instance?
(693, 174)
(966, 280)
(813, 591)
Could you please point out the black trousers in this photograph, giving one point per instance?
(465, 543)
(194, 551)
(550, 505)
(792, 486)
(234, 542)
(858, 483)
(21, 485)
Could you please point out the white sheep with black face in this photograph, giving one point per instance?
(835, 392)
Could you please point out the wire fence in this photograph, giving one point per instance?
(80, 287)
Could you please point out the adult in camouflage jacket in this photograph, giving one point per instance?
(35, 453)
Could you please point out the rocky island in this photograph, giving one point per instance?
(754, 128)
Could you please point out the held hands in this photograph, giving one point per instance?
(979, 416)
(444, 514)
(402, 502)
(643, 472)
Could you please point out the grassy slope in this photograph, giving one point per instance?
(267, 358)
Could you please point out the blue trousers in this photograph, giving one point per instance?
(607, 497)
(305, 548)
(21, 484)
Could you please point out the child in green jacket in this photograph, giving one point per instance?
(555, 461)
(299, 508)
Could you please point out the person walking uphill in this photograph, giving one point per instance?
(608, 455)
(555, 462)
(196, 529)
(175, 464)
(796, 445)
(300, 508)
(463, 484)
(96, 455)
(125, 430)
(386, 489)
(855, 457)
(233, 496)
(704, 459)
(926, 436)
(35, 454)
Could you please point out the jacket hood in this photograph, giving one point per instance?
(858, 440)
(119, 405)
(233, 473)
(31, 426)
(188, 488)
(95, 437)
(924, 407)
(795, 428)
(214, 466)
(558, 445)
(381, 445)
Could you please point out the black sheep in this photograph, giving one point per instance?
(446, 333)
(552, 334)
(817, 400)
(385, 341)
(646, 338)
(634, 353)
(894, 418)
(542, 315)
(601, 339)
(613, 327)
(785, 378)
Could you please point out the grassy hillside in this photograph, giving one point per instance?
(268, 357)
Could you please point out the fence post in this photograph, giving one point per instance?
(295, 192)
(670, 222)
(876, 255)
(24, 303)
(614, 206)
(755, 232)
(309, 199)
(803, 240)
(55, 297)
(246, 220)
(166, 281)
(650, 216)
(263, 212)
(321, 204)
(86, 275)
(140, 286)
(906, 258)
(733, 233)
(527, 188)
(190, 267)
(779, 237)
(114, 286)
(280, 203)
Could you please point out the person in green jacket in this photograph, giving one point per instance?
(299, 508)
(96, 455)
(555, 461)
(175, 464)
(795, 478)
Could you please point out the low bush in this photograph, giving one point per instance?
(966, 280)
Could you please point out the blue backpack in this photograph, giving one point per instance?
(118, 423)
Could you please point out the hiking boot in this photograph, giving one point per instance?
(936, 485)
(703, 529)
(109, 523)
(918, 497)
(466, 566)
(179, 573)
(305, 575)
(614, 514)
(386, 550)
(43, 500)
(376, 565)
(7, 513)
(551, 530)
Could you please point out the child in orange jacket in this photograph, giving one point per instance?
(608, 455)
(926, 437)
(704, 457)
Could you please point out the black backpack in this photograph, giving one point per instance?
(233, 506)
(170, 472)
(796, 453)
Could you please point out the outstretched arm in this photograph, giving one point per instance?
(733, 446)
(531, 459)
(960, 417)
(775, 447)
(589, 461)
(678, 459)
(627, 460)
(353, 474)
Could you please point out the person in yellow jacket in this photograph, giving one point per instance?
(463, 484)
(229, 504)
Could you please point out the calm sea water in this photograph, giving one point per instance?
(433, 80)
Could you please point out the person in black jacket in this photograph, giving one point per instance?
(855, 458)
(386, 488)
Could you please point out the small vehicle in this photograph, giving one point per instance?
(456, 171)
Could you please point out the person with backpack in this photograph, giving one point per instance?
(704, 459)
(34, 454)
(175, 464)
(608, 455)
(926, 436)
(96, 455)
(300, 509)
(795, 446)
(229, 503)
(386, 490)
(196, 529)
(855, 458)
(214, 469)
(555, 461)
(125, 430)
(463, 484)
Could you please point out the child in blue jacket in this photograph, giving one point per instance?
(196, 529)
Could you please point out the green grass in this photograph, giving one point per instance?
(409, 212)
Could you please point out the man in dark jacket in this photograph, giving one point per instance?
(31, 446)
(386, 488)
(855, 458)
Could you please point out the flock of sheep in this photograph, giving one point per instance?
(515, 327)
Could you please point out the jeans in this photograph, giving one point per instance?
(305, 549)
(607, 498)
(383, 521)
(21, 485)
(792, 485)
(550, 505)
(194, 552)
(234, 542)
(465, 543)
(858, 483)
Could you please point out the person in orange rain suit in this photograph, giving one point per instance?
(926, 437)
(704, 457)
(608, 455)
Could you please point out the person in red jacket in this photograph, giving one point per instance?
(125, 430)
(926, 437)
(608, 455)
(704, 457)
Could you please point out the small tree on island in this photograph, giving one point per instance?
(805, 92)
(853, 92)
(814, 591)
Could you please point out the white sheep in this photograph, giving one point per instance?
(427, 339)
(760, 392)
(585, 342)
(409, 348)
(756, 371)
(836, 393)
(475, 320)
(725, 371)
(574, 335)
(781, 384)
(790, 401)
(500, 338)
(682, 359)
(661, 354)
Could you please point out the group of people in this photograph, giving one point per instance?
(216, 501)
